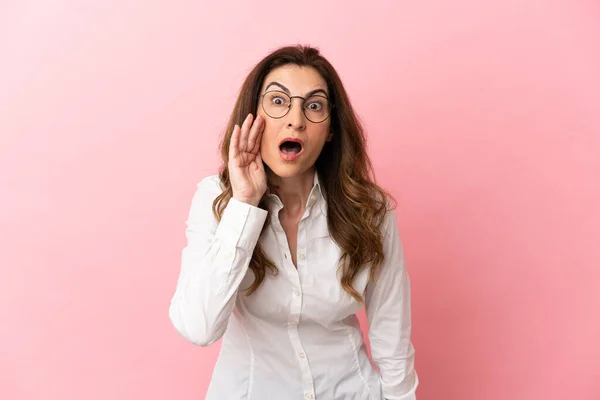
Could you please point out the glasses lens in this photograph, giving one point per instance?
(316, 108)
(276, 104)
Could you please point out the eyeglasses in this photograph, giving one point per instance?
(277, 104)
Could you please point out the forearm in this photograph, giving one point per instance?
(211, 274)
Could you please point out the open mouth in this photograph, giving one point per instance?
(290, 147)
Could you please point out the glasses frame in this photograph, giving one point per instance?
(289, 107)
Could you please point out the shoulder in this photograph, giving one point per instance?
(208, 188)
(210, 183)
(393, 250)
(389, 225)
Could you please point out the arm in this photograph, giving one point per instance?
(387, 304)
(213, 264)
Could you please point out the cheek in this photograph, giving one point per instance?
(264, 142)
(269, 136)
(319, 135)
(272, 128)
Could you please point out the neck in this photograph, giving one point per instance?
(293, 191)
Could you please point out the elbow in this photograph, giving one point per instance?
(194, 327)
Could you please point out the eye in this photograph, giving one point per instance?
(277, 100)
(315, 106)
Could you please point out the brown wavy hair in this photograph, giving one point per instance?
(356, 204)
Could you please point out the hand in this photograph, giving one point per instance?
(246, 171)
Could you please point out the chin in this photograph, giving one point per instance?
(286, 170)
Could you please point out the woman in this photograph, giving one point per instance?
(289, 241)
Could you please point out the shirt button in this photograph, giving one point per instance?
(302, 355)
(296, 293)
(310, 396)
(302, 256)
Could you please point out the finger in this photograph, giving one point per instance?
(261, 130)
(258, 142)
(244, 134)
(234, 149)
(254, 133)
(259, 161)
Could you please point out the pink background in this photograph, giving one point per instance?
(483, 120)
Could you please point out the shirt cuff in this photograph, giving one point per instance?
(241, 223)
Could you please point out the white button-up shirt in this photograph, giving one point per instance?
(297, 336)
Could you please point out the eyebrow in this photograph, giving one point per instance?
(288, 90)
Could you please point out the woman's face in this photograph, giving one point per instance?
(293, 159)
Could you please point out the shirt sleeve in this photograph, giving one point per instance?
(213, 264)
(387, 303)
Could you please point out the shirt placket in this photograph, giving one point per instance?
(297, 295)
(295, 314)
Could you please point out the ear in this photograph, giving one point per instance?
(329, 137)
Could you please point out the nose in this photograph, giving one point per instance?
(295, 117)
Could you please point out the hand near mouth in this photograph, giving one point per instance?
(246, 171)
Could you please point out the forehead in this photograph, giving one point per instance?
(298, 80)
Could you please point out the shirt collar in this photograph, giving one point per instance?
(318, 187)
(316, 193)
